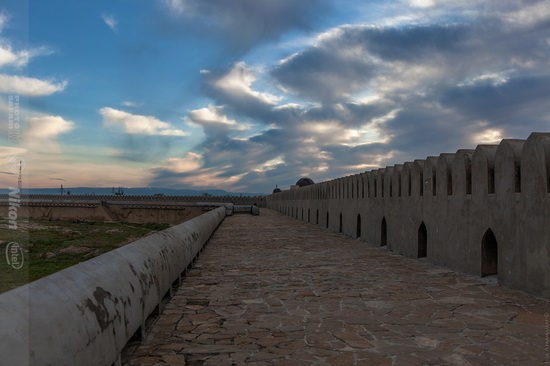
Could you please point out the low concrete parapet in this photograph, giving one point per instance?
(85, 314)
(229, 207)
(250, 209)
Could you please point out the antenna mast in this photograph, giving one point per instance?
(20, 180)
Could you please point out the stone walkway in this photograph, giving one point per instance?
(270, 290)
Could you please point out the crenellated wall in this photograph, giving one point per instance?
(483, 212)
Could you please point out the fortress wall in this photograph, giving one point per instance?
(96, 199)
(484, 211)
(85, 314)
(97, 212)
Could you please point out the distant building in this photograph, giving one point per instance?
(302, 182)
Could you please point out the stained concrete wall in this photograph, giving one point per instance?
(85, 314)
(479, 211)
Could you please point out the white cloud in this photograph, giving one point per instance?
(177, 6)
(494, 79)
(190, 163)
(213, 116)
(11, 57)
(489, 136)
(48, 127)
(270, 164)
(110, 20)
(239, 82)
(421, 3)
(212, 178)
(528, 15)
(19, 58)
(130, 104)
(138, 124)
(43, 132)
(3, 21)
(8, 56)
(29, 86)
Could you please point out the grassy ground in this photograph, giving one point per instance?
(50, 246)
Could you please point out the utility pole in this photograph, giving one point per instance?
(20, 180)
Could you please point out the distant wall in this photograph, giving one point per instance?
(237, 200)
(97, 212)
(84, 315)
(136, 209)
(484, 211)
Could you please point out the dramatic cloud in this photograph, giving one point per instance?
(379, 95)
(138, 124)
(367, 85)
(235, 90)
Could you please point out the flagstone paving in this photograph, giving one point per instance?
(271, 290)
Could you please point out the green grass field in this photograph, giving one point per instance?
(50, 246)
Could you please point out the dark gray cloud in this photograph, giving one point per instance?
(352, 58)
(384, 95)
(518, 101)
(324, 75)
(144, 148)
(241, 24)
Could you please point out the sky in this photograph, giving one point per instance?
(244, 95)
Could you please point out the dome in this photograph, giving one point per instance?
(277, 189)
(304, 182)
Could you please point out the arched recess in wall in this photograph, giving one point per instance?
(308, 215)
(383, 232)
(317, 217)
(422, 241)
(302, 214)
(327, 221)
(489, 254)
(358, 229)
(340, 225)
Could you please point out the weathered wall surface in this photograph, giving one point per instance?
(484, 211)
(85, 314)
